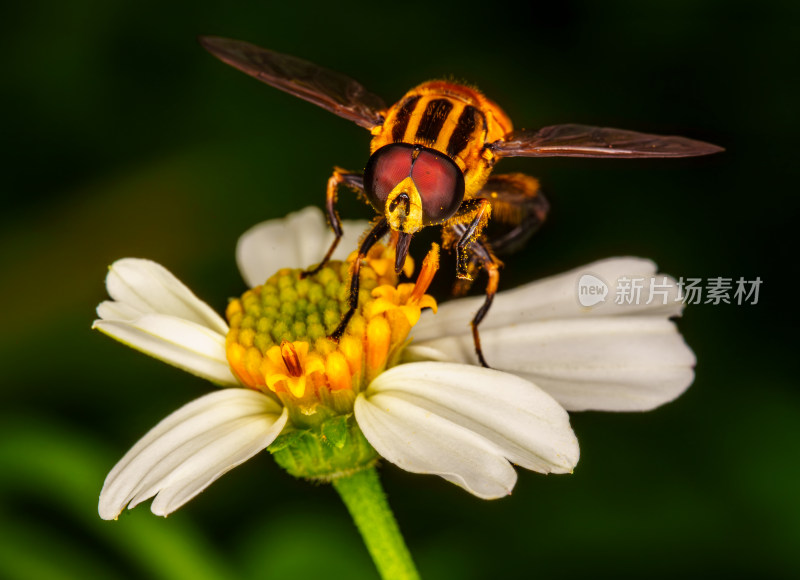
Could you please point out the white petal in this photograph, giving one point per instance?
(145, 287)
(554, 297)
(426, 352)
(464, 423)
(190, 449)
(181, 343)
(631, 363)
(110, 310)
(418, 442)
(299, 240)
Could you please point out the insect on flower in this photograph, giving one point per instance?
(431, 161)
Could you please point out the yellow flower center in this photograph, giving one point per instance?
(278, 339)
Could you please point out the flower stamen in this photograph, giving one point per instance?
(379, 335)
(429, 267)
(290, 359)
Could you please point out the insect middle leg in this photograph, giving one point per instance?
(340, 176)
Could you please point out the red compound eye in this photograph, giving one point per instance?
(387, 167)
(440, 184)
(439, 181)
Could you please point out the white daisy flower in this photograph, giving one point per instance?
(285, 379)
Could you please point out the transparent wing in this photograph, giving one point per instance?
(587, 141)
(330, 90)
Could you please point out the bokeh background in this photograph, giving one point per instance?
(121, 137)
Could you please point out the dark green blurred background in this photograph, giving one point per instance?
(121, 137)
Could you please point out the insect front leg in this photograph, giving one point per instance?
(518, 209)
(478, 254)
(492, 266)
(340, 176)
(469, 221)
(376, 233)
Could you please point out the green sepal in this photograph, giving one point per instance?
(335, 431)
(323, 452)
(286, 440)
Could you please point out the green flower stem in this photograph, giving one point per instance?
(363, 495)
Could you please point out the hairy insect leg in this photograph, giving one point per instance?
(467, 224)
(340, 177)
(461, 286)
(376, 233)
(518, 208)
(471, 252)
(478, 255)
(492, 266)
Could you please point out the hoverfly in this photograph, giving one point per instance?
(431, 161)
